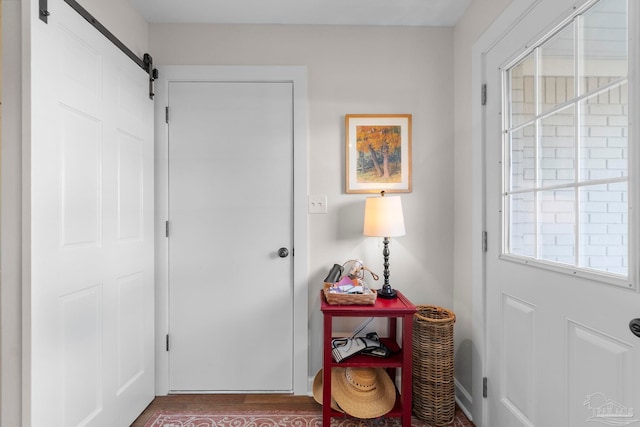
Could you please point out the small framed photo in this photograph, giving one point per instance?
(378, 153)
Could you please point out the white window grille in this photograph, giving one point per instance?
(566, 147)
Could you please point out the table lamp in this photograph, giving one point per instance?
(383, 218)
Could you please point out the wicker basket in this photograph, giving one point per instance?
(349, 299)
(433, 386)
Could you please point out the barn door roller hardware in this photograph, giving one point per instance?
(153, 72)
(146, 62)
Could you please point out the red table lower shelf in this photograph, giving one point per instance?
(393, 309)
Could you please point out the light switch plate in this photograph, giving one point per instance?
(318, 204)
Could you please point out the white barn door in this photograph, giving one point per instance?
(89, 318)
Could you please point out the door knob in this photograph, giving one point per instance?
(283, 252)
(634, 325)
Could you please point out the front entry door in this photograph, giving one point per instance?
(560, 351)
(230, 236)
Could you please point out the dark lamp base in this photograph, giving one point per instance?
(387, 293)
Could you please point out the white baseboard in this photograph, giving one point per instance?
(464, 399)
(310, 386)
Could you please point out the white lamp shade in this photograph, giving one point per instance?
(383, 217)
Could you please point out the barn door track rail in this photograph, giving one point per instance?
(146, 62)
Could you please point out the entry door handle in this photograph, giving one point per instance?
(283, 252)
(634, 325)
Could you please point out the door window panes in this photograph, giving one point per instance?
(557, 61)
(567, 145)
(557, 241)
(604, 128)
(603, 36)
(523, 162)
(522, 240)
(522, 91)
(603, 227)
(557, 151)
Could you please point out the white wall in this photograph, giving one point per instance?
(476, 19)
(123, 20)
(355, 70)
(10, 216)
(351, 70)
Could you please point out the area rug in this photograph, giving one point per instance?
(278, 419)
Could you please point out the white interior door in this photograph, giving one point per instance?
(89, 313)
(230, 211)
(559, 348)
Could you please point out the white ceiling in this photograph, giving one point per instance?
(322, 12)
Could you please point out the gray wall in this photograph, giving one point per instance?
(476, 19)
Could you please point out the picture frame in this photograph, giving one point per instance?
(378, 153)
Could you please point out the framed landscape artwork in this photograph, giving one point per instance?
(378, 153)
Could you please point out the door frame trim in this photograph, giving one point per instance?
(297, 75)
(500, 27)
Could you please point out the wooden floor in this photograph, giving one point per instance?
(230, 402)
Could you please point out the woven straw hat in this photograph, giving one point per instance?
(363, 392)
(317, 391)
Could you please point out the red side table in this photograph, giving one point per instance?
(393, 309)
